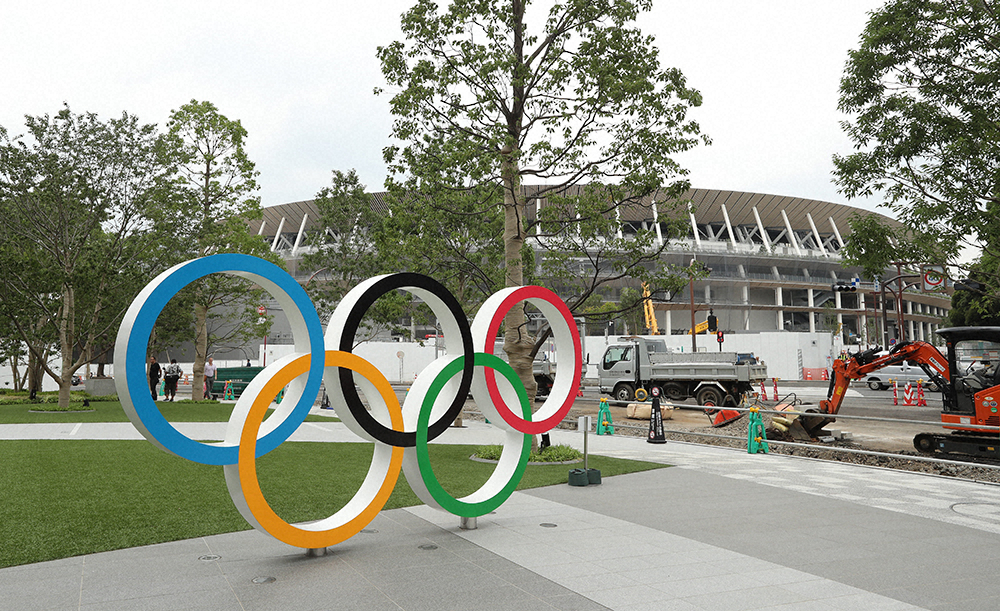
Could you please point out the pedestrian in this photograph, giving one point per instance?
(209, 378)
(171, 376)
(154, 376)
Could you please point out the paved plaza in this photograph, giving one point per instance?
(721, 530)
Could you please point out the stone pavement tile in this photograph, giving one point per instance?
(661, 605)
(705, 583)
(222, 599)
(29, 595)
(133, 585)
(624, 596)
(870, 602)
(574, 602)
(750, 599)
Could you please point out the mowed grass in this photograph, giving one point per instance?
(111, 411)
(66, 498)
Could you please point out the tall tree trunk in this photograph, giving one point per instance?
(200, 351)
(66, 342)
(517, 343)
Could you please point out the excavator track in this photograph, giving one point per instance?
(956, 443)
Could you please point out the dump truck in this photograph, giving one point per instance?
(633, 366)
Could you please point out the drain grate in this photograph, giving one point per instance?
(209, 558)
(263, 580)
(370, 531)
(548, 525)
(428, 546)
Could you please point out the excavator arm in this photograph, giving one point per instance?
(861, 364)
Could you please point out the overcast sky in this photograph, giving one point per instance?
(300, 77)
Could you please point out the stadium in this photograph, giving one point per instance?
(774, 260)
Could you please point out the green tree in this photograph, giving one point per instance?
(979, 307)
(923, 92)
(76, 230)
(486, 96)
(216, 182)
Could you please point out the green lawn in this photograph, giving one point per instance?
(111, 411)
(66, 498)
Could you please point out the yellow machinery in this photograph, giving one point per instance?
(647, 310)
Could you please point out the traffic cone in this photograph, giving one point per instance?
(763, 392)
(908, 394)
(775, 388)
(656, 423)
(604, 424)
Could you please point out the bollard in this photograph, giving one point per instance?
(604, 424)
(756, 436)
(895, 394)
(656, 423)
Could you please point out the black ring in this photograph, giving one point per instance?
(373, 427)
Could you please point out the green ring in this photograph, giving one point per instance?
(443, 498)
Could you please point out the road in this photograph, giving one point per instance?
(859, 401)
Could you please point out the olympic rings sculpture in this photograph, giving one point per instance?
(400, 433)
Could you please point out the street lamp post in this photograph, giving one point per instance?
(898, 298)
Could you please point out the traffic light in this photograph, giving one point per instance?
(967, 284)
(713, 322)
(843, 287)
(719, 337)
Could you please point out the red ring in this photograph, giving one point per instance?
(520, 424)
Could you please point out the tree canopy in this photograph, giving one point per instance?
(488, 97)
(76, 230)
(923, 95)
(216, 186)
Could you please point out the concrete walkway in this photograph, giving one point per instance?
(721, 530)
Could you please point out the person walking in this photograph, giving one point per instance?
(209, 377)
(171, 376)
(154, 377)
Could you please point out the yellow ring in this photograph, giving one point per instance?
(642, 392)
(258, 506)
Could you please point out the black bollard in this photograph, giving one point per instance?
(656, 422)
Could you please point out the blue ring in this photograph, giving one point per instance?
(135, 362)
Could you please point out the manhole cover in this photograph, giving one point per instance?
(548, 525)
(983, 511)
(428, 546)
(209, 558)
(262, 580)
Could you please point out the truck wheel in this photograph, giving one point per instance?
(674, 391)
(709, 396)
(641, 394)
(623, 392)
(875, 385)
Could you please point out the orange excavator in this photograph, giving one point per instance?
(968, 376)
